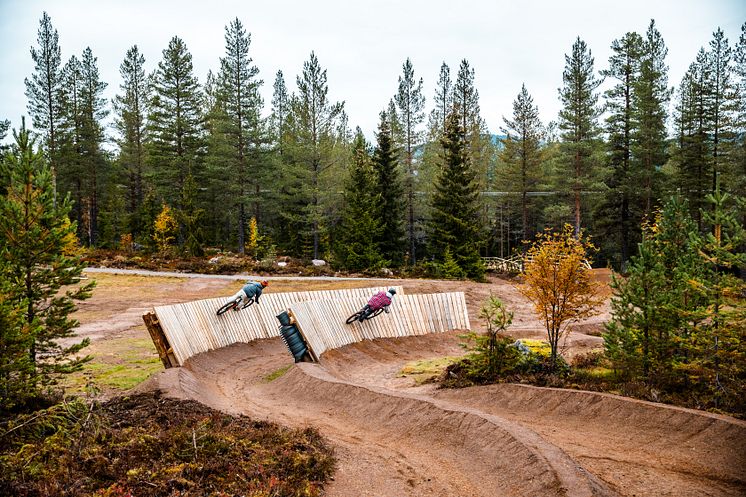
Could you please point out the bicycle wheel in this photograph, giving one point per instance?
(248, 303)
(376, 313)
(354, 317)
(226, 307)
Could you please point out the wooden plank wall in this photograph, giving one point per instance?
(193, 327)
(323, 322)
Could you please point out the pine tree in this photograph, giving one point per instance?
(41, 278)
(357, 245)
(411, 103)
(521, 153)
(454, 224)
(650, 101)
(308, 184)
(189, 216)
(16, 367)
(443, 101)
(218, 160)
(280, 112)
(578, 122)
(239, 87)
(620, 205)
(93, 161)
(722, 103)
(131, 107)
(652, 305)
(388, 194)
(43, 89)
(70, 174)
(719, 339)
(175, 121)
(739, 156)
(691, 154)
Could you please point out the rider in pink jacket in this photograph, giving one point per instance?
(378, 301)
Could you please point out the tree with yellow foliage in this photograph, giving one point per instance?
(559, 283)
(165, 229)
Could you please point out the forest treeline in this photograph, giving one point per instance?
(232, 171)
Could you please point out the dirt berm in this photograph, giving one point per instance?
(395, 439)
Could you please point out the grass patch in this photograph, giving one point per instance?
(118, 364)
(426, 370)
(276, 374)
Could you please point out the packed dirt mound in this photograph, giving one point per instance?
(393, 439)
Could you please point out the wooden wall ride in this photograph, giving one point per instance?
(181, 331)
(322, 322)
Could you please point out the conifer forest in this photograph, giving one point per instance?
(434, 187)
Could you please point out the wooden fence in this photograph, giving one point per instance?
(181, 331)
(322, 323)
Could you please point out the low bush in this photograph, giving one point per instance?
(148, 445)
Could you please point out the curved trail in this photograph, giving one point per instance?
(395, 439)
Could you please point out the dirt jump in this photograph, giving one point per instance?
(395, 438)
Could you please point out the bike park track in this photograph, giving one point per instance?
(393, 438)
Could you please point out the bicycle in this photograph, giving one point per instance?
(364, 314)
(233, 304)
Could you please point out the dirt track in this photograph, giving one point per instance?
(395, 439)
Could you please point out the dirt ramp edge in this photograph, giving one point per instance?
(519, 461)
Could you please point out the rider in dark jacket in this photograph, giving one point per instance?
(252, 289)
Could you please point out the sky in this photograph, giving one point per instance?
(363, 45)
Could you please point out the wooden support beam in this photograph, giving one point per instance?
(165, 352)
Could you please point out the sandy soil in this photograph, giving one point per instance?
(393, 438)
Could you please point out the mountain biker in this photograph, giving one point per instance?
(252, 289)
(378, 301)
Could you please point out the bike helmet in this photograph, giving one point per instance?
(265, 283)
(392, 291)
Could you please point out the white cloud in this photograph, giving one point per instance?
(363, 45)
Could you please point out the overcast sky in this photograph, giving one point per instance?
(363, 44)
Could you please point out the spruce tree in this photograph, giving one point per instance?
(43, 89)
(239, 87)
(388, 194)
(479, 145)
(175, 122)
(454, 224)
(360, 230)
(411, 103)
(131, 108)
(521, 153)
(40, 273)
(578, 123)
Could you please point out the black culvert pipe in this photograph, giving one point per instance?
(292, 337)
